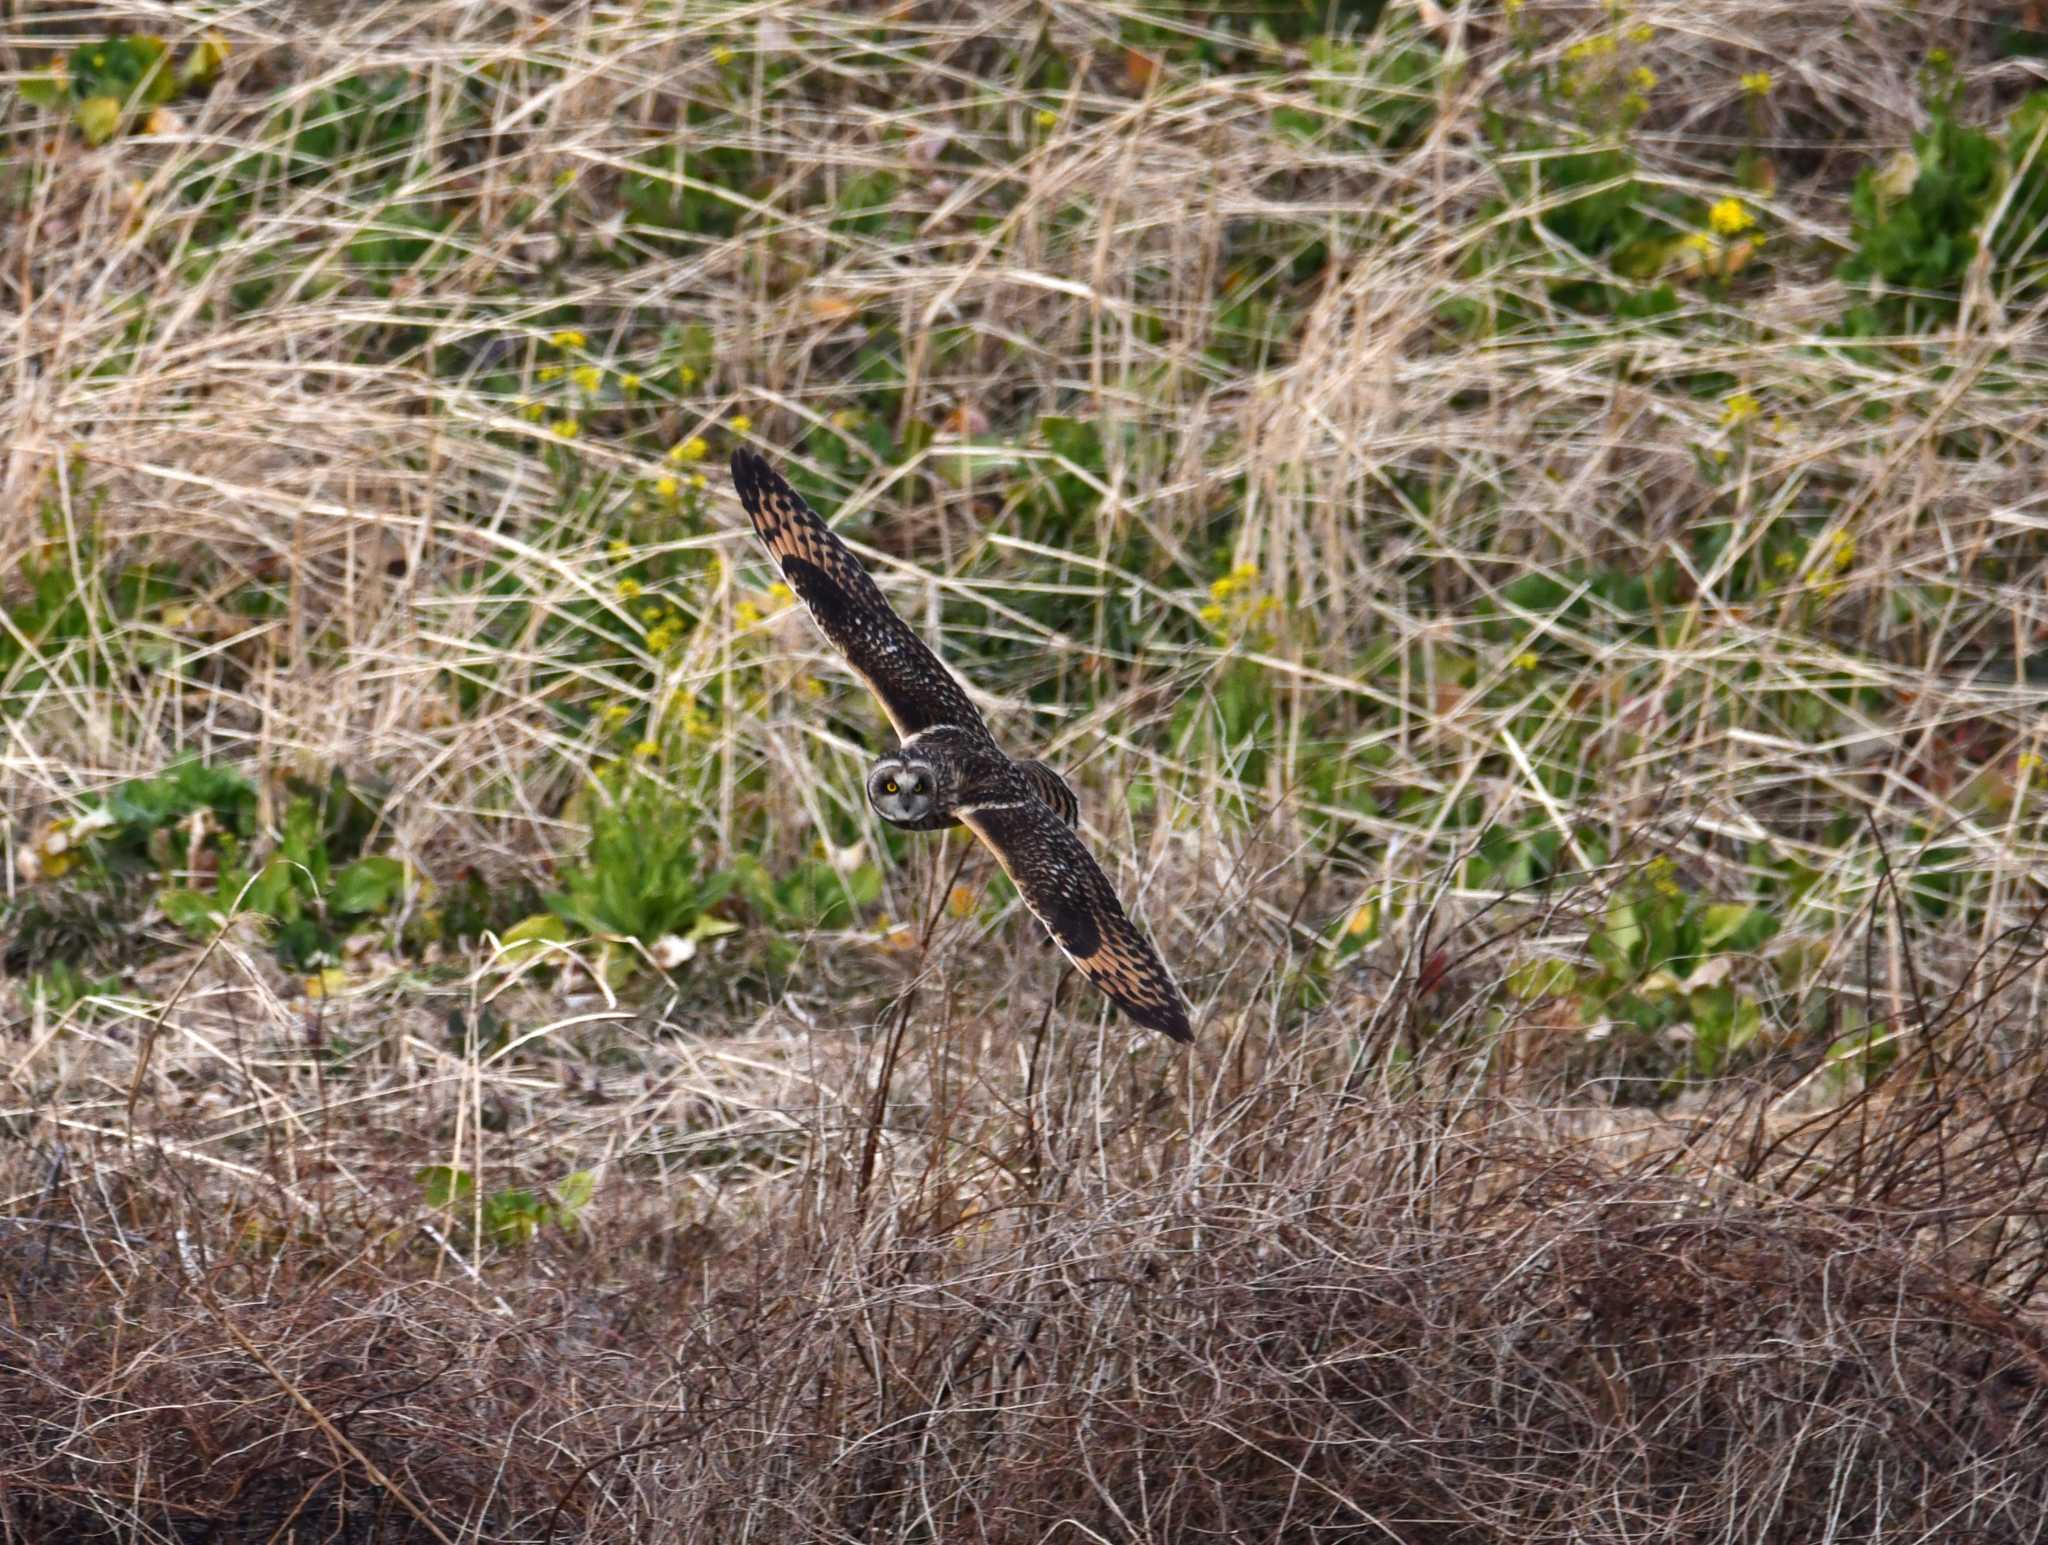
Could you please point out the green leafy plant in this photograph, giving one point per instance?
(315, 888)
(643, 874)
(514, 1216)
(1662, 969)
(112, 83)
(1917, 220)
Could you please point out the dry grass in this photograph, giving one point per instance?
(894, 1235)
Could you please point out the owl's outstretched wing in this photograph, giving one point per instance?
(1067, 890)
(1052, 788)
(914, 689)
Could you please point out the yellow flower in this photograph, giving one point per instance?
(1642, 34)
(1047, 118)
(1739, 409)
(1527, 660)
(566, 428)
(550, 372)
(1219, 589)
(614, 713)
(568, 338)
(696, 448)
(327, 984)
(588, 377)
(667, 487)
(650, 614)
(534, 412)
(619, 549)
(746, 614)
(1700, 242)
(1644, 78)
(627, 589)
(1757, 83)
(699, 481)
(685, 375)
(1245, 572)
(781, 593)
(739, 423)
(1845, 550)
(721, 56)
(628, 382)
(1211, 614)
(646, 748)
(2029, 762)
(1635, 104)
(1730, 217)
(1362, 919)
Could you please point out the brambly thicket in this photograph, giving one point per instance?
(1523, 523)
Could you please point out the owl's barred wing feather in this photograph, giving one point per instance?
(1052, 788)
(914, 689)
(1067, 890)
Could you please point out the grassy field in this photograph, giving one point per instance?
(1523, 523)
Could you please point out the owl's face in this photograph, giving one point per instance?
(902, 789)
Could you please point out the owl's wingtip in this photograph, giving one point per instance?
(749, 467)
(1171, 1023)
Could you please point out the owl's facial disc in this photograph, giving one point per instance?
(901, 790)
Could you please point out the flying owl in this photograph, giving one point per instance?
(948, 769)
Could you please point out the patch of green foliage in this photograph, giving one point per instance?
(112, 83)
(511, 1217)
(1664, 975)
(316, 886)
(643, 875)
(1915, 240)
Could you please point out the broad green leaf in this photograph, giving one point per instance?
(367, 885)
(99, 118)
(573, 1193)
(444, 1184)
(532, 935)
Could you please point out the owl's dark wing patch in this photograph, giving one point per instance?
(914, 689)
(1052, 788)
(1067, 890)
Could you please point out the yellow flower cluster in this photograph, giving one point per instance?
(1730, 217)
(1232, 598)
(1739, 409)
(1757, 83)
(696, 448)
(568, 338)
(666, 632)
(694, 721)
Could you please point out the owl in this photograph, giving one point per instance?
(948, 770)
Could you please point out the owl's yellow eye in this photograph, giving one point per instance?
(889, 787)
